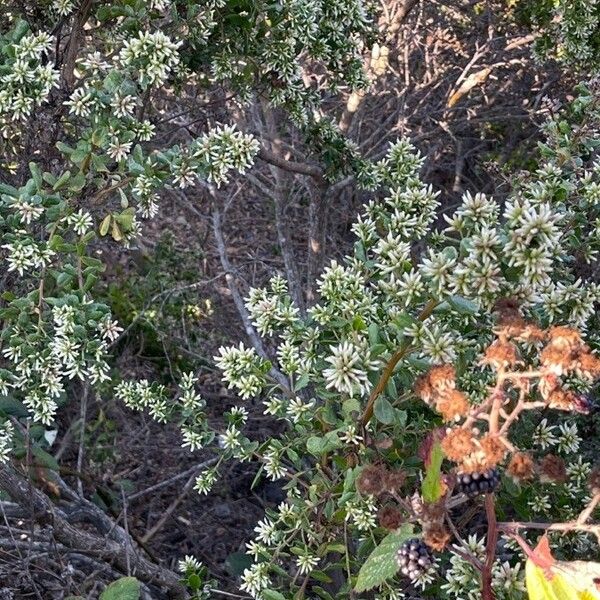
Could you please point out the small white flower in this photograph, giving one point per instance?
(569, 440)
(306, 562)
(351, 436)
(110, 329)
(539, 503)
(81, 221)
(189, 563)
(255, 579)
(205, 481)
(266, 532)
(118, 150)
(543, 435)
(230, 440)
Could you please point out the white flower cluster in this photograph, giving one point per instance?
(463, 581)
(63, 352)
(270, 308)
(564, 438)
(242, 369)
(300, 32)
(26, 79)
(189, 406)
(63, 7)
(152, 54)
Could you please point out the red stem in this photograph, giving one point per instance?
(490, 549)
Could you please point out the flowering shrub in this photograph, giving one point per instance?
(106, 169)
(407, 315)
(385, 315)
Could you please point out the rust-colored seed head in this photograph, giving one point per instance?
(510, 326)
(452, 404)
(442, 377)
(565, 338)
(557, 359)
(507, 306)
(500, 355)
(521, 467)
(394, 480)
(436, 536)
(390, 518)
(587, 365)
(458, 443)
(552, 468)
(594, 480)
(493, 449)
(371, 480)
(547, 384)
(423, 389)
(561, 399)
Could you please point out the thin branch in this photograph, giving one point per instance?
(490, 549)
(290, 165)
(391, 365)
(189, 484)
(238, 300)
(165, 483)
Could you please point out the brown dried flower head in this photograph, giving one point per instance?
(390, 517)
(458, 443)
(594, 480)
(394, 480)
(371, 480)
(493, 449)
(565, 338)
(423, 389)
(561, 399)
(452, 405)
(552, 468)
(442, 378)
(521, 467)
(488, 452)
(559, 360)
(547, 384)
(587, 366)
(500, 355)
(436, 536)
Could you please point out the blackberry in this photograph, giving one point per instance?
(473, 484)
(414, 558)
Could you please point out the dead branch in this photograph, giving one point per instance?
(48, 514)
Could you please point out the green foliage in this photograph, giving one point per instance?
(126, 588)
(382, 563)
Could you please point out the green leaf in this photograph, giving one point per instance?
(384, 411)
(194, 581)
(374, 337)
(126, 588)
(381, 564)
(302, 382)
(463, 306)
(351, 405)
(272, 595)
(358, 323)
(62, 180)
(431, 489)
(238, 562)
(13, 407)
(44, 459)
(401, 417)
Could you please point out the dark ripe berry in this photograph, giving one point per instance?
(473, 484)
(414, 558)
